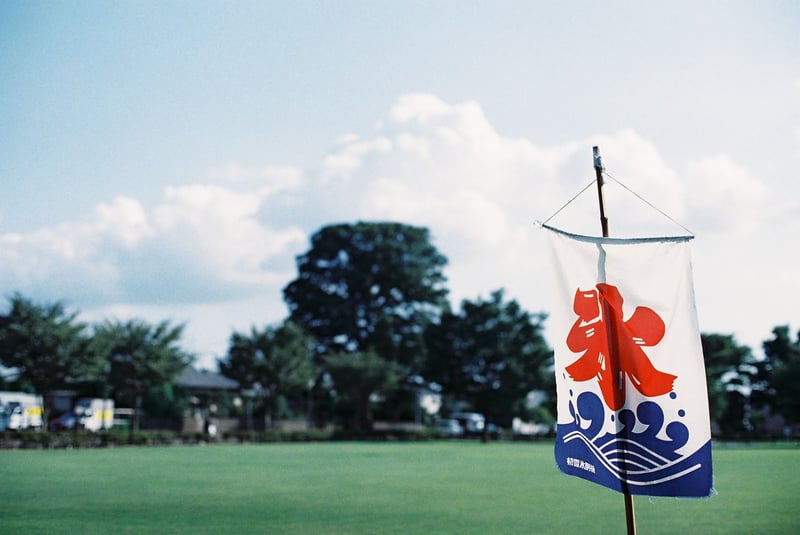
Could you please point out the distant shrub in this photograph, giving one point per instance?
(125, 437)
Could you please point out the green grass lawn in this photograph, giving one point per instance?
(373, 488)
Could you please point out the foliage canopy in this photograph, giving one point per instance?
(276, 361)
(491, 354)
(45, 343)
(369, 287)
(140, 356)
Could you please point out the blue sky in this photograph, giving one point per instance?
(168, 160)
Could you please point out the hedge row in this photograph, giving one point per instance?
(83, 439)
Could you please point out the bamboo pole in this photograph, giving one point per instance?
(598, 170)
(630, 517)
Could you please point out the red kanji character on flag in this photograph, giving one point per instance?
(601, 334)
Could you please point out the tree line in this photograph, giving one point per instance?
(369, 327)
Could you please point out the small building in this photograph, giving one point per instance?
(206, 389)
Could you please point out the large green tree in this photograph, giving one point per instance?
(729, 373)
(47, 346)
(358, 378)
(779, 374)
(140, 357)
(369, 287)
(276, 360)
(490, 354)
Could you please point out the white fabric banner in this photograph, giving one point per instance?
(630, 377)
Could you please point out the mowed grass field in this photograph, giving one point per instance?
(373, 488)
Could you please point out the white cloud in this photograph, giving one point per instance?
(75, 259)
(124, 220)
(266, 181)
(350, 157)
(724, 196)
(202, 242)
(418, 108)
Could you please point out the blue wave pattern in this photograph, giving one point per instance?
(637, 463)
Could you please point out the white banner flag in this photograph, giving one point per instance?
(630, 378)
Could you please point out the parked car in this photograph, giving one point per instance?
(64, 422)
(450, 427)
(493, 430)
(473, 423)
(521, 428)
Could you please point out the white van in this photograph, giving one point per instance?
(94, 414)
(20, 410)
